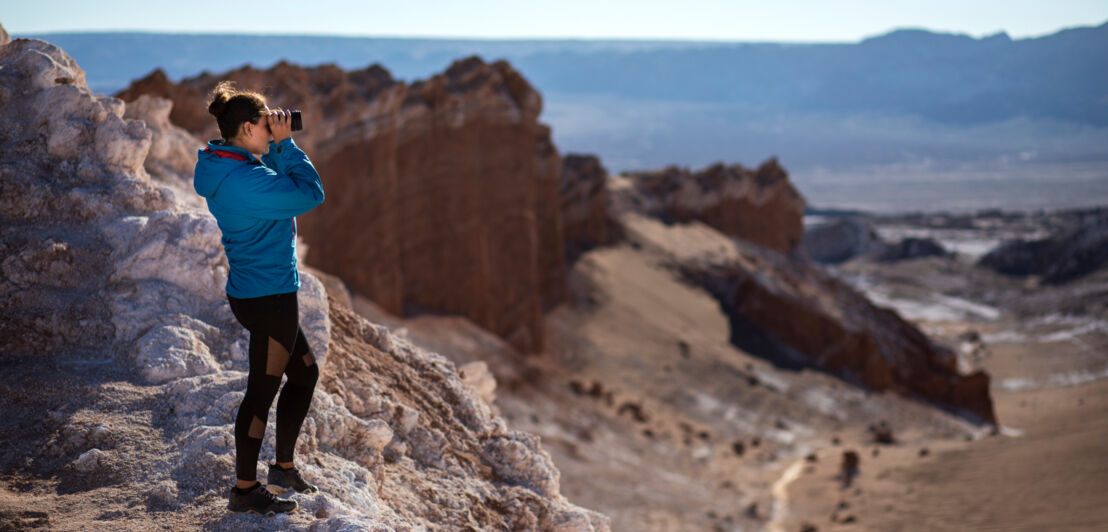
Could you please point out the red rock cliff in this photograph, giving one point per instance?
(442, 195)
(758, 205)
(584, 196)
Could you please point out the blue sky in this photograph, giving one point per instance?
(736, 20)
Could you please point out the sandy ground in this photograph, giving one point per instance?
(1046, 470)
(649, 412)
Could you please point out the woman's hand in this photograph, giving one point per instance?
(279, 124)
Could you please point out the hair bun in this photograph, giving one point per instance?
(221, 94)
(232, 106)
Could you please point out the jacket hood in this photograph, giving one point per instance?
(215, 163)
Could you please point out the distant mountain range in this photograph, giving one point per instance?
(909, 119)
(942, 77)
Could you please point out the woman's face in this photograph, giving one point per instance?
(256, 136)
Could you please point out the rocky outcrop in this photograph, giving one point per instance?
(849, 237)
(584, 196)
(1066, 255)
(758, 205)
(127, 366)
(442, 195)
(841, 239)
(911, 248)
(790, 311)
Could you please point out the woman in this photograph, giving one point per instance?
(255, 203)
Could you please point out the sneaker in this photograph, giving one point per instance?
(258, 500)
(283, 480)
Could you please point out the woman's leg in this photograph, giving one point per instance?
(296, 398)
(272, 322)
(254, 411)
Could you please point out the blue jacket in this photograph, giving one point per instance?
(255, 204)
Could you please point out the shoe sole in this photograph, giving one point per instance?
(267, 514)
(277, 490)
(281, 490)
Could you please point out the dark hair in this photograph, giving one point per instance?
(231, 107)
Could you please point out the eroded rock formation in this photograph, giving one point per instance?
(841, 239)
(584, 197)
(1067, 254)
(127, 366)
(791, 311)
(758, 205)
(442, 195)
(849, 237)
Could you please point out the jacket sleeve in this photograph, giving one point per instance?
(287, 186)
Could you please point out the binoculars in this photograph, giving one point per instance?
(295, 123)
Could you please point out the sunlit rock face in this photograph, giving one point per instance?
(759, 205)
(113, 308)
(442, 195)
(790, 310)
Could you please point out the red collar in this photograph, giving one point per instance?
(227, 154)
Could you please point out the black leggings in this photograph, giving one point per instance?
(277, 346)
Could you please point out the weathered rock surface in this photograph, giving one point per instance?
(911, 248)
(1067, 254)
(758, 205)
(793, 312)
(442, 194)
(127, 366)
(584, 197)
(841, 239)
(849, 237)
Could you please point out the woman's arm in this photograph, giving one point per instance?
(288, 185)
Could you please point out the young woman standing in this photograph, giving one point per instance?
(255, 202)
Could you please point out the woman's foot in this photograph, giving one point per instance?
(259, 500)
(288, 479)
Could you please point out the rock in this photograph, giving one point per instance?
(172, 156)
(882, 433)
(115, 284)
(842, 239)
(1066, 255)
(584, 197)
(89, 461)
(911, 248)
(445, 225)
(169, 352)
(477, 375)
(162, 496)
(4, 37)
(100, 435)
(794, 313)
(759, 205)
(848, 468)
(516, 459)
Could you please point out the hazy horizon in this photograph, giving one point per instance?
(888, 129)
(804, 21)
